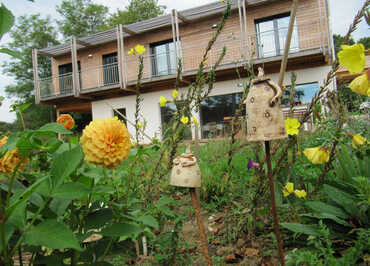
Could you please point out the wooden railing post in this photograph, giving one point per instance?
(75, 70)
(123, 58)
(36, 76)
(119, 56)
(174, 34)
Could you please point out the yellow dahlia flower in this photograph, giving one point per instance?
(289, 188)
(317, 155)
(292, 126)
(360, 85)
(106, 142)
(353, 57)
(10, 160)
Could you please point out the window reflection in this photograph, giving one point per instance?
(303, 94)
(216, 113)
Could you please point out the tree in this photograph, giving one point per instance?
(30, 32)
(81, 18)
(339, 40)
(365, 41)
(137, 10)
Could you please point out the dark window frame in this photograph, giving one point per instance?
(154, 60)
(109, 79)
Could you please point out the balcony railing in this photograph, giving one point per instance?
(100, 76)
(55, 86)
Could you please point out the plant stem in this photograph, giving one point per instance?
(2, 228)
(107, 249)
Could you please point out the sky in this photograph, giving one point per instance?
(342, 13)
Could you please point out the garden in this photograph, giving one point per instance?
(105, 198)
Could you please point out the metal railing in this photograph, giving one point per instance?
(54, 86)
(100, 76)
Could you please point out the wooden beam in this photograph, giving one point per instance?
(123, 58)
(119, 56)
(124, 29)
(44, 53)
(182, 18)
(174, 34)
(83, 43)
(75, 74)
(130, 90)
(36, 76)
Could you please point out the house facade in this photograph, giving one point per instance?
(95, 73)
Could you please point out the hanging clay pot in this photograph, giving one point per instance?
(185, 172)
(265, 120)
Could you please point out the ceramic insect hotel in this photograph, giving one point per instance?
(185, 172)
(265, 120)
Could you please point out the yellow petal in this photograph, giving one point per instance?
(195, 121)
(175, 93)
(361, 85)
(317, 155)
(300, 193)
(292, 126)
(131, 51)
(358, 140)
(353, 57)
(140, 49)
(162, 101)
(139, 125)
(184, 120)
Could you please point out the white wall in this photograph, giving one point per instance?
(150, 109)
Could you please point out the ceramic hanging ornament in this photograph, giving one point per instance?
(265, 119)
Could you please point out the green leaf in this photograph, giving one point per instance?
(18, 217)
(321, 207)
(12, 53)
(98, 219)
(65, 164)
(56, 128)
(327, 216)
(307, 229)
(71, 191)
(9, 230)
(10, 144)
(164, 200)
(121, 229)
(59, 206)
(52, 234)
(342, 198)
(149, 220)
(6, 20)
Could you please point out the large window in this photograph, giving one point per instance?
(167, 114)
(163, 58)
(216, 113)
(271, 35)
(65, 77)
(110, 69)
(303, 94)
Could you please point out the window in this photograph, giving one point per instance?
(216, 113)
(163, 58)
(167, 113)
(122, 111)
(65, 78)
(110, 69)
(271, 35)
(303, 94)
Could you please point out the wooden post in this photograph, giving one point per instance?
(75, 70)
(284, 61)
(119, 56)
(245, 26)
(123, 59)
(241, 28)
(36, 76)
(174, 34)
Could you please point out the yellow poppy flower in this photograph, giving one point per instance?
(352, 57)
(175, 93)
(289, 188)
(139, 125)
(195, 121)
(140, 49)
(106, 142)
(361, 85)
(162, 101)
(300, 193)
(317, 155)
(292, 126)
(358, 140)
(184, 120)
(131, 51)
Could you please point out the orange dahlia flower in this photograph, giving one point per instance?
(106, 142)
(10, 160)
(66, 120)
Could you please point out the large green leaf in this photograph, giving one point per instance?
(342, 199)
(54, 127)
(321, 207)
(121, 229)
(307, 229)
(71, 191)
(12, 53)
(18, 217)
(52, 234)
(59, 206)
(6, 20)
(9, 230)
(65, 164)
(149, 221)
(327, 216)
(98, 219)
